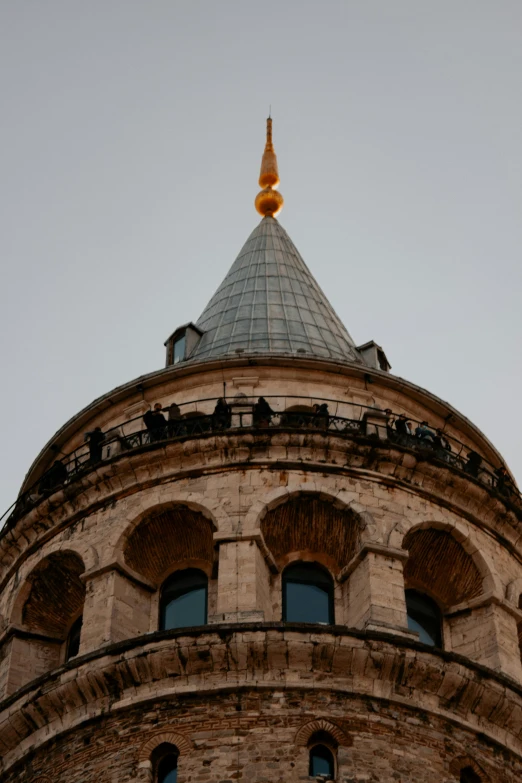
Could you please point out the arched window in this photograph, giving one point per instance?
(424, 617)
(165, 763)
(307, 594)
(73, 639)
(184, 600)
(468, 775)
(321, 762)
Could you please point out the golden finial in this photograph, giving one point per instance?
(269, 202)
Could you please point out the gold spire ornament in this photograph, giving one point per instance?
(269, 202)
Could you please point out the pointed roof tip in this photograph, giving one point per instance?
(269, 202)
(270, 303)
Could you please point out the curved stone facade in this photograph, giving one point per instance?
(244, 696)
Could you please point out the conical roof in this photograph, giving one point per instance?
(269, 302)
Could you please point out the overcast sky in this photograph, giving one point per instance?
(131, 137)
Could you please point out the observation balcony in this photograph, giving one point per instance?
(293, 414)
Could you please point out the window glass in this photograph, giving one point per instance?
(168, 769)
(467, 775)
(307, 594)
(424, 617)
(73, 640)
(321, 762)
(179, 349)
(184, 600)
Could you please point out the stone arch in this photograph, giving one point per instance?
(171, 737)
(339, 498)
(311, 522)
(167, 537)
(151, 505)
(306, 732)
(461, 762)
(439, 565)
(461, 532)
(53, 594)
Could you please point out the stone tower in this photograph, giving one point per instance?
(272, 560)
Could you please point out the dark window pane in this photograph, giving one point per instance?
(307, 594)
(424, 617)
(73, 641)
(184, 599)
(321, 762)
(306, 603)
(179, 349)
(188, 609)
(168, 770)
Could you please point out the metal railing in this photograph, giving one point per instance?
(295, 413)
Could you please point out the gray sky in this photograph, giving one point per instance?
(131, 138)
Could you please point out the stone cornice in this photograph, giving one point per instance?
(262, 655)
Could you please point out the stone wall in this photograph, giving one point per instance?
(255, 735)
(244, 568)
(240, 507)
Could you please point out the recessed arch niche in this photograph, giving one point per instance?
(439, 566)
(167, 538)
(310, 523)
(56, 594)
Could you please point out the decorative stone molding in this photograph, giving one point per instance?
(122, 568)
(277, 655)
(379, 549)
(457, 765)
(320, 724)
(182, 743)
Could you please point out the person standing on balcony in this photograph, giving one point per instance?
(402, 425)
(95, 438)
(321, 416)
(155, 422)
(262, 413)
(503, 483)
(473, 464)
(440, 442)
(424, 433)
(222, 416)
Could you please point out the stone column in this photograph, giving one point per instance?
(25, 656)
(243, 583)
(376, 599)
(117, 606)
(485, 630)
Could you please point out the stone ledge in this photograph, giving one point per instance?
(262, 655)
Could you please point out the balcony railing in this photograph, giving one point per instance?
(286, 413)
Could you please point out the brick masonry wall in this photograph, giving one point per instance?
(251, 735)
